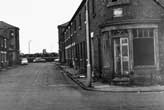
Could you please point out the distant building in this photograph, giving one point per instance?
(61, 29)
(9, 45)
(127, 40)
(44, 51)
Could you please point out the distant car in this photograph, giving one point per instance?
(39, 59)
(24, 61)
(56, 60)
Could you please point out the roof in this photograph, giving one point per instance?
(6, 25)
(77, 11)
(63, 25)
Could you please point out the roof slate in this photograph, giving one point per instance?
(6, 25)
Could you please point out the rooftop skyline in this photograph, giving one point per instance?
(38, 21)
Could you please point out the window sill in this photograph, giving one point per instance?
(146, 67)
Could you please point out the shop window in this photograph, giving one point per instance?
(143, 47)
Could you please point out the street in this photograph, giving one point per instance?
(43, 86)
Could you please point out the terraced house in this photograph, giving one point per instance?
(9, 45)
(127, 40)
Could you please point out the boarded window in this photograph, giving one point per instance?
(106, 50)
(143, 47)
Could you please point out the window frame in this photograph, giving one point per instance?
(111, 3)
(80, 21)
(154, 45)
(93, 9)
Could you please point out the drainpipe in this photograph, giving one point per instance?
(88, 41)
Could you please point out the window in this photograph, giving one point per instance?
(81, 50)
(5, 57)
(114, 0)
(117, 2)
(74, 25)
(2, 42)
(93, 8)
(84, 13)
(79, 21)
(143, 46)
(71, 29)
(5, 43)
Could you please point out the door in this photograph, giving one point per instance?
(121, 56)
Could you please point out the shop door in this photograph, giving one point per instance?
(121, 56)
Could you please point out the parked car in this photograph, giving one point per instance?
(24, 61)
(56, 60)
(39, 59)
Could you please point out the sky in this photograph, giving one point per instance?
(38, 21)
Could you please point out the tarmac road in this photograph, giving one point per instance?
(43, 86)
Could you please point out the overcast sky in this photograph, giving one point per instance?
(38, 21)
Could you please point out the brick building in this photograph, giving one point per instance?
(61, 29)
(126, 40)
(9, 45)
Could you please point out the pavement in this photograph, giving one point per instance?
(104, 87)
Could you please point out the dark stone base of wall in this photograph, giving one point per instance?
(140, 77)
(144, 81)
(106, 75)
(145, 77)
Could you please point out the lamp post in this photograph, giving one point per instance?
(29, 42)
(88, 41)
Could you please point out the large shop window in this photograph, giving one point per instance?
(143, 47)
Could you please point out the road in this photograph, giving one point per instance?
(43, 86)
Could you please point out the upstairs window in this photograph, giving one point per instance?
(79, 21)
(117, 2)
(93, 8)
(5, 43)
(2, 42)
(114, 0)
(75, 26)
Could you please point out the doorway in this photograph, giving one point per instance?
(121, 56)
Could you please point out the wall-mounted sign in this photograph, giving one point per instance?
(92, 34)
(117, 12)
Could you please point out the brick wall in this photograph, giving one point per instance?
(134, 12)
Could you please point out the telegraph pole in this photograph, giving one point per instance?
(89, 74)
(29, 46)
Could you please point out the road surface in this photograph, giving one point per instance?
(43, 86)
